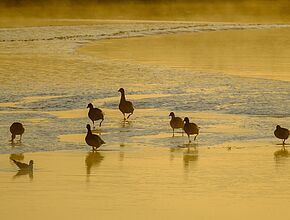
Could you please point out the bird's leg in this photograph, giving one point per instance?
(173, 132)
(124, 117)
(129, 115)
(283, 142)
(101, 122)
(93, 125)
(189, 138)
(195, 137)
(12, 138)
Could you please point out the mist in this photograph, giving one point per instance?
(196, 10)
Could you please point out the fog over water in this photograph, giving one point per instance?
(208, 10)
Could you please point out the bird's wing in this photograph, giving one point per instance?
(130, 105)
(20, 165)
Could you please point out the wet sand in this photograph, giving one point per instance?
(133, 181)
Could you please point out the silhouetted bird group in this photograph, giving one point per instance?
(126, 107)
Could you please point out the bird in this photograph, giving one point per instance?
(190, 128)
(95, 114)
(281, 133)
(93, 140)
(16, 129)
(175, 122)
(24, 166)
(126, 107)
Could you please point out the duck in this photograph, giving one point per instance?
(93, 140)
(95, 114)
(16, 129)
(190, 128)
(281, 133)
(24, 166)
(126, 107)
(175, 122)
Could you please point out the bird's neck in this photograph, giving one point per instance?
(89, 131)
(123, 97)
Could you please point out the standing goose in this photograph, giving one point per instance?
(190, 128)
(175, 122)
(93, 139)
(16, 129)
(95, 114)
(125, 106)
(24, 166)
(281, 133)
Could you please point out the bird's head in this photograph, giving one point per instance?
(88, 127)
(90, 105)
(186, 119)
(121, 90)
(31, 162)
(278, 126)
(172, 114)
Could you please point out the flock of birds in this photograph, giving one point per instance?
(126, 107)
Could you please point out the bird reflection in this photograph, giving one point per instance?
(24, 173)
(280, 154)
(126, 124)
(24, 169)
(190, 155)
(121, 155)
(93, 158)
(18, 157)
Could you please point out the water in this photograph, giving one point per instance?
(44, 74)
(235, 169)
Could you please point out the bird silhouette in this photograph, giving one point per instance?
(95, 114)
(175, 122)
(24, 166)
(16, 129)
(126, 107)
(190, 128)
(281, 133)
(93, 140)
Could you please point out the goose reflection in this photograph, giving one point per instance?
(18, 157)
(281, 154)
(24, 173)
(126, 124)
(122, 154)
(190, 155)
(24, 169)
(93, 158)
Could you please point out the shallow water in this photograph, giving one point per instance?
(49, 75)
(235, 93)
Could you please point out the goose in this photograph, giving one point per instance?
(190, 128)
(93, 139)
(95, 114)
(175, 122)
(125, 106)
(24, 166)
(281, 133)
(16, 129)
